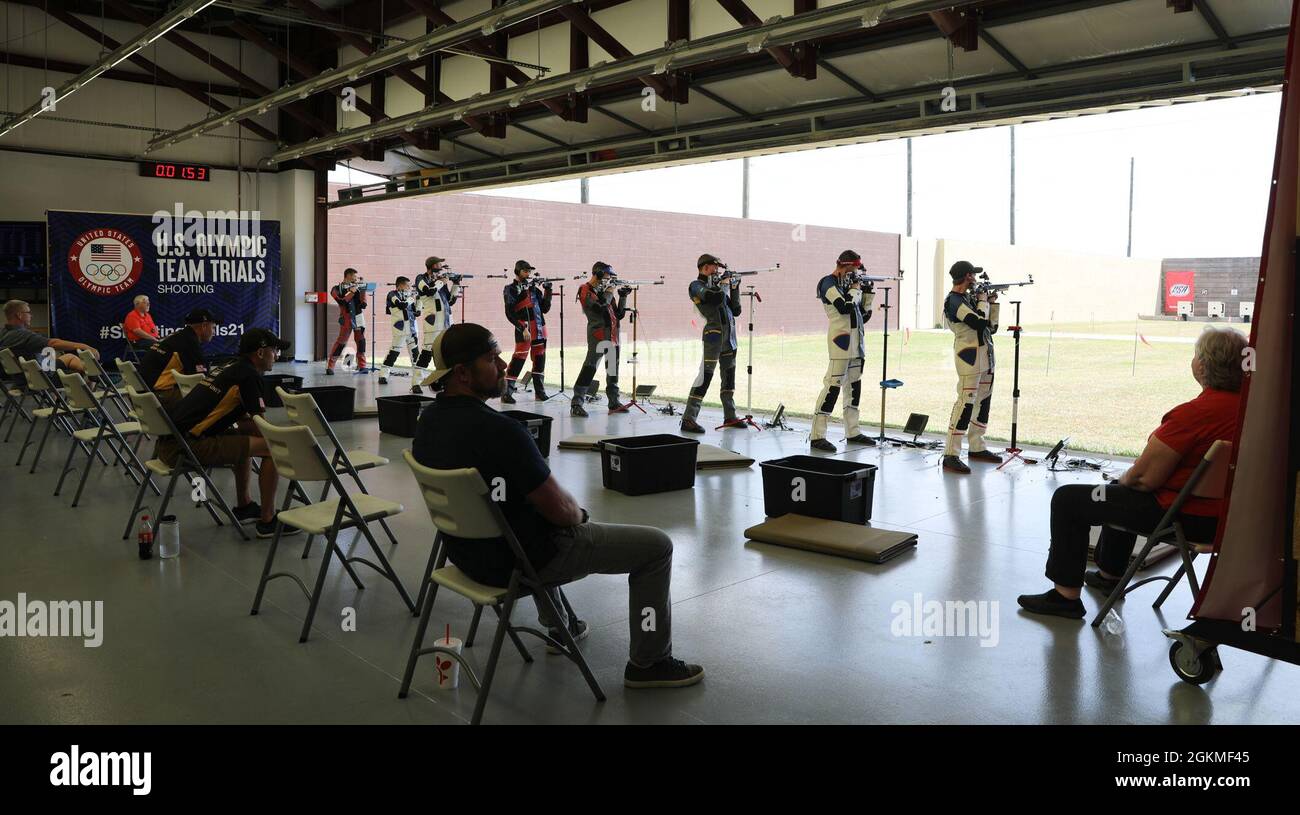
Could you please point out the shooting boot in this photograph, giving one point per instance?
(824, 445)
(539, 391)
(611, 391)
(508, 397)
(861, 438)
(577, 410)
(953, 464)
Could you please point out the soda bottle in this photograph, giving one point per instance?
(146, 538)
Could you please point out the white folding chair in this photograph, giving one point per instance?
(1206, 481)
(459, 505)
(97, 376)
(131, 377)
(300, 459)
(102, 430)
(186, 382)
(55, 411)
(155, 422)
(15, 388)
(302, 410)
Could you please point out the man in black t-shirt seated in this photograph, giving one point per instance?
(460, 430)
(180, 352)
(217, 420)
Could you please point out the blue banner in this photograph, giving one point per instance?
(100, 262)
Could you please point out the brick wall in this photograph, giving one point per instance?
(485, 234)
(1216, 279)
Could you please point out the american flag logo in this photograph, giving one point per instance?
(106, 252)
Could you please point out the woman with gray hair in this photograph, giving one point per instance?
(138, 326)
(1139, 499)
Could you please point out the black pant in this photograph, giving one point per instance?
(1075, 510)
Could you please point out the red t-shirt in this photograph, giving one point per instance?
(143, 322)
(1190, 429)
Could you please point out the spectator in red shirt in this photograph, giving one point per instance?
(1139, 499)
(140, 330)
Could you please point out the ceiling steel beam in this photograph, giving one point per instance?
(1212, 20)
(74, 68)
(961, 28)
(802, 63)
(1006, 54)
(597, 34)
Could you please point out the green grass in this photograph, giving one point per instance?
(1091, 391)
(1147, 328)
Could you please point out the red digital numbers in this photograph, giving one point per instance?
(162, 169)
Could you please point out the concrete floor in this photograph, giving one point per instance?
(785, 636)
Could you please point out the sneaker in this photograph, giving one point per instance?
(252, 511)
(577, 628)
(666, 673)
(823, 445)
(1052, 603)
(329, 371)
(1100, 582)
(266, 529)
(955, 465)
(577, 410)
(691, 426)
(985, 455)
(861, 438)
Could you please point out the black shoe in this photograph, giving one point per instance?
(734, 423)
(508, 397)
(329, 371)
(1052, 603)
(985, 455)
(577, 410)
(614, 404)
(666, 673)
(577, 628)
(248, 513)
(862, 438)
(955, 465)
(691, 426)
(1100, 582)
(266, 529)
(383, 380)
(823, 445)
(416, 389)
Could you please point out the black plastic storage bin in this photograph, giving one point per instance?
(640, 465)
(270, 382)
(399, 414)
(834, 489)
(538, 426)
(337, 402)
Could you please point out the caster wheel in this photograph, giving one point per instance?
(1193, 669)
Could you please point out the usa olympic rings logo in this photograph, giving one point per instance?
(106, 262)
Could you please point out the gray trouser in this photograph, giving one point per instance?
(645, 555)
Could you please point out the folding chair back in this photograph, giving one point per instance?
(457, 501)
(9, 362)
(149, 414)
(131, 376)
(295, 452)
(36, 380)
(186, 382)
(303, 410)
(88, 361)
(1215, 478)
(78, 394)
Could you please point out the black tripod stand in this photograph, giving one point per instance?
(561, 392)
(886, 384)
(1015, 395)
(748, 419)
(632, 315)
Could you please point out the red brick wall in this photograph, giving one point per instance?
(385, 239)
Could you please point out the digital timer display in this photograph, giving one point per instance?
(180, 172)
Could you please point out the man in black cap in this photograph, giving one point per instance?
(597, 299)
(217, 420)
(180, 351)
(848, 307)
(437, 292)
(459, 430)
(719, 309)
(526, 306)
(973, 320)
(351, 298)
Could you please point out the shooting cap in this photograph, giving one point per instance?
(600, 268)
(522, 266)
(432, 259)
(459, 344)
(848, 256)
(255, 339)
(962, 268)
(705, 260)
(200, 315)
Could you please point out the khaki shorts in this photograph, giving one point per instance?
(230, 449)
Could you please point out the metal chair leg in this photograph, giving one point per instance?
(473, 626)
(320, 584)
(571, 645)
(67, 468)
(41, 447)
(85, 473)
(1117, 593)
(497, 640)
(426, 611)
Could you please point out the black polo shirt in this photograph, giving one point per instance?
(230, 392)
(180, 351)
(461, 431)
